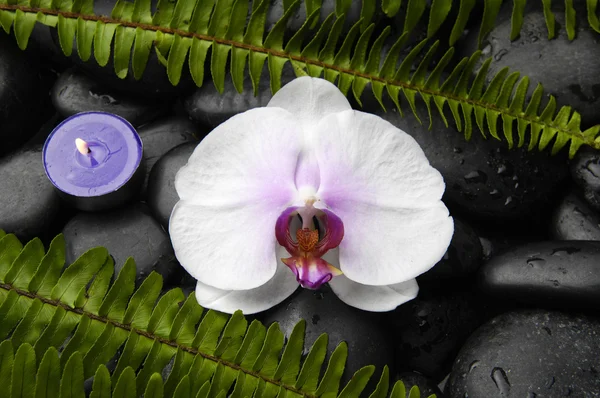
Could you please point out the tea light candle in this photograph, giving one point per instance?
(93, 159)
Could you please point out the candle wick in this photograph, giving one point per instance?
(82, 146)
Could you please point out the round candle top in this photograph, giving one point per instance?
(92, 154)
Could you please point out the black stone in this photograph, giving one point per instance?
(163, 135)
(23, 96)
(161, 193)
(28, 200)
(40, 137)
(429, 331)
(76, 92)
(573, 219)
(568, 69)
(463, 257)
(531, 353)
(484, 179)
(550, 274)
(426, 386)
(41, 44)
(368, 339)
(585, 170)
(207, 106)
(126, 232)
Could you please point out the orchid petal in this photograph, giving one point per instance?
(378, 181)
(233, 188)
(310, 100)
(367, 297)
(251, 157)
(373, 298)
(364, 158)
(277, 289)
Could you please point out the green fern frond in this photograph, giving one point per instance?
(61, 327)
(234, 32)
(440, 10)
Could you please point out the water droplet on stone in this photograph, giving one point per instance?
(568, 250)
(536, 262)
(475, 176)
(550, 382)
(424, 312)
(501, 170)
(494, 193)
(469, 195)
(473, 365)
(547, 329)
(508, 200)
(105, 98)
(487, 49)
(501, 381)
(500, 54)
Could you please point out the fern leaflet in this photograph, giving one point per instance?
(67, 325)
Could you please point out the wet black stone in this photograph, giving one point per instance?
(207, 106)
(28, 201)
(549, 274)
(573, 219)
(41, 44)
(426, 386)
(163, 135)
(567, 69)
(531, 353)
(585, 170)
(76, 92)
(429, 331)
(484, 179)
(40, 137)
(126, 232)
(368, 339)
(463, 257)
(23, 96)
(162, 195)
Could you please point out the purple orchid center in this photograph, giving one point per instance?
(311, 243)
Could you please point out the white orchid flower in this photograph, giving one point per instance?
(370, 206)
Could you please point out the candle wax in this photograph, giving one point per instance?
(115, 153)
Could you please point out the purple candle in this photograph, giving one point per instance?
(93, 159)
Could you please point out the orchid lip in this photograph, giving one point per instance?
(306, 251)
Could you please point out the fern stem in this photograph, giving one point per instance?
(151, 336)
(590, 141)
